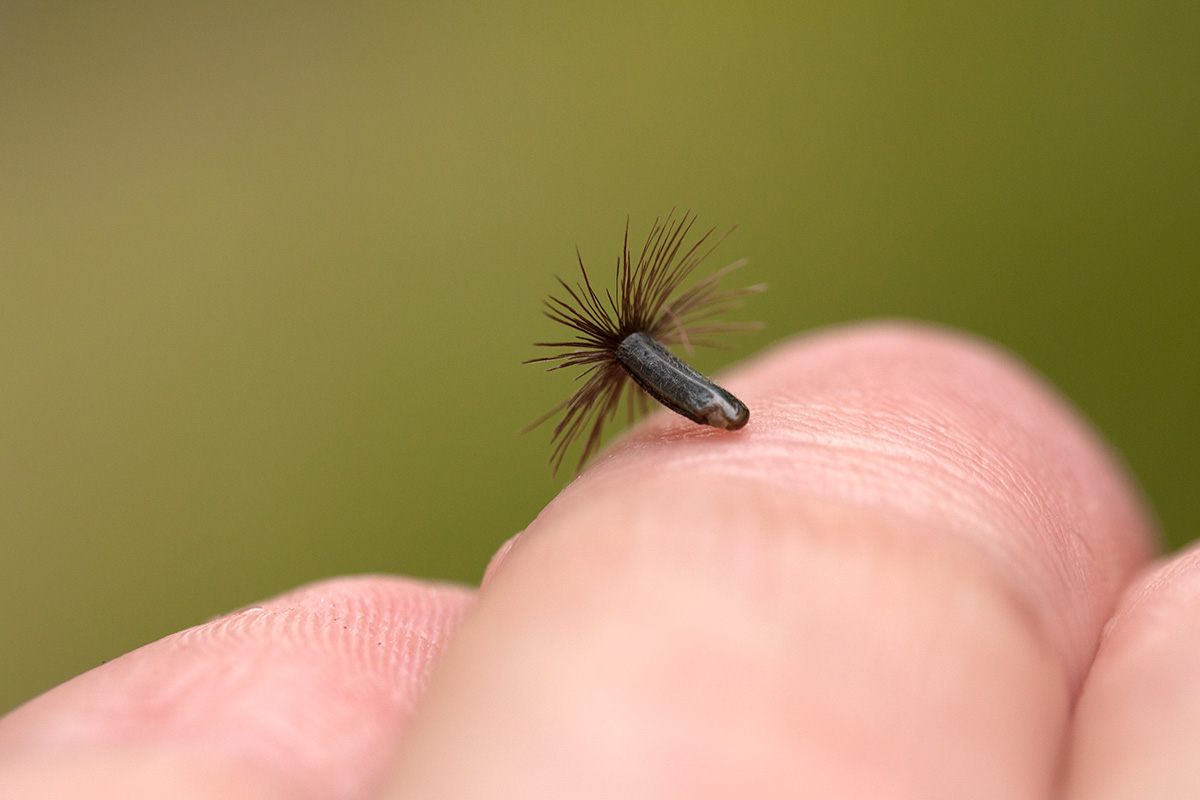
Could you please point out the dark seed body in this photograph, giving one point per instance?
(677, 386)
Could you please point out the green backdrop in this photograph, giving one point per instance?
(268, 272)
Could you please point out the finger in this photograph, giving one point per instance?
(887, 584)
(1137, 726)
(304, 696)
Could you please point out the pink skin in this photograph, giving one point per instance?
(894, 582)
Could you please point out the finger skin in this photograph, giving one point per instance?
(305, 696)
(1137, 725)
(890, 583)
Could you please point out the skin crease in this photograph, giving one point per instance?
(897, 581)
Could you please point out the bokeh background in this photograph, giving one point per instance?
(268, 271)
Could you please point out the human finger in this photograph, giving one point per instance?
(304, 696)
(1137, 725)
(889, 583)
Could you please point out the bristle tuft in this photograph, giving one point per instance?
(646, 299)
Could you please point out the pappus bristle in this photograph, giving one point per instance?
(620, 337)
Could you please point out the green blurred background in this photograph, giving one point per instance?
(267, 273)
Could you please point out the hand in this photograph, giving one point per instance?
(892, 583)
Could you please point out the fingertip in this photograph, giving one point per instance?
(1137, 723)
(932, 424)
(310, 690)
(913, 533)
